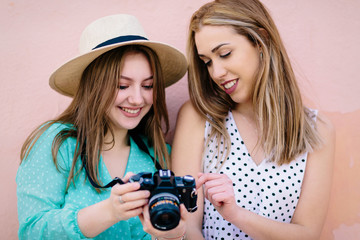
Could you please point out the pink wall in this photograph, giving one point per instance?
(321, 36)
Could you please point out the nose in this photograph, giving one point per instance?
(136, 97)
(217, 70)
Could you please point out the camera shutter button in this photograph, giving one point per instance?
(188, 180)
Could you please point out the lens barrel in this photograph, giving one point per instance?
(164, 209)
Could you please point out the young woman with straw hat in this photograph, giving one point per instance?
(118, 88)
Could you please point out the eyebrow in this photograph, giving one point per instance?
(127, 78)
(219, 46)
(215, 48)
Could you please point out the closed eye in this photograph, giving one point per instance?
(209, 62)
(225, 55)
(148, 83)
(148, 87)
(122, 87)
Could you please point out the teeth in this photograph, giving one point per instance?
(229, 84)
(132, 111)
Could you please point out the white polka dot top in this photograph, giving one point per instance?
(267, 189)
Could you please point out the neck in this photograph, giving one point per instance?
(246, 110)
(120, 139)
(116, 151)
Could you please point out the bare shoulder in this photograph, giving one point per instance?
(188, 111)
(188, 140)
(326, 129)
(189, 119)
(324, 153)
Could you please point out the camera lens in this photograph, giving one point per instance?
(164, 211)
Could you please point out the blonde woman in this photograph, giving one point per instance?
(118, 88)
(264, 160)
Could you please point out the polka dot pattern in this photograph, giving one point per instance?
(47, 211)
(267, 189)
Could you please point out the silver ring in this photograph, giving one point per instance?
(120, 200)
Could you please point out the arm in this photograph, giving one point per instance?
(47, 211)
(41, 194)
(310, 212)
(186, 159)
(98, 217)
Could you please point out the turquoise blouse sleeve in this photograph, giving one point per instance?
(47, 210)
(41, 192)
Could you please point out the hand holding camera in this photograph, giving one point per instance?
(167, 192)
(126, 201)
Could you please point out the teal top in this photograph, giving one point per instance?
(46, 210)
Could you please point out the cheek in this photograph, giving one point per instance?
(214, 82)
(119, 97)
(149, 97)
(210, 71)
(253, 64)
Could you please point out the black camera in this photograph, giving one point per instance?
(167, 192)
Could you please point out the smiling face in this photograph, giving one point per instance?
(231, 59)
(134, 97)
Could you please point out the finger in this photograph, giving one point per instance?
(214, 190)
(209, 195)
(220, 194)
(146, 214)
(183, 212)
(145, 220)
(207, 177)
(130, 197)
(173, 233)
(216, 186)
(210, 191)
(132, 213)
(221, 181)
(129, 205)
(198, 185)
(212, 176)
(127, 176)
(125, 188)
(222, 197)
(200, 181)
(141, 194)
(141, 216)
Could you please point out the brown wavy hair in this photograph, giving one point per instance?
(88, 113)
(286, 125)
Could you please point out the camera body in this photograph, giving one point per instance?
(167, 192)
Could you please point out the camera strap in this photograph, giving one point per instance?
(137, 139)
(139, 142)
(110, 184)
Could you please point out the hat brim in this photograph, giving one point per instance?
(66, 78)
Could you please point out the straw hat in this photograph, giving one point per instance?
(106, 34)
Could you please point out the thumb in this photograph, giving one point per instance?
(183, 212)
(127, 177)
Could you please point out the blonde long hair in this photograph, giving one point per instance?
(88, 113)
(287, 126)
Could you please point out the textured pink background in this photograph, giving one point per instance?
(322, 38)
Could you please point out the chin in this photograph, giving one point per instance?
(126, 126)
(241, 100)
